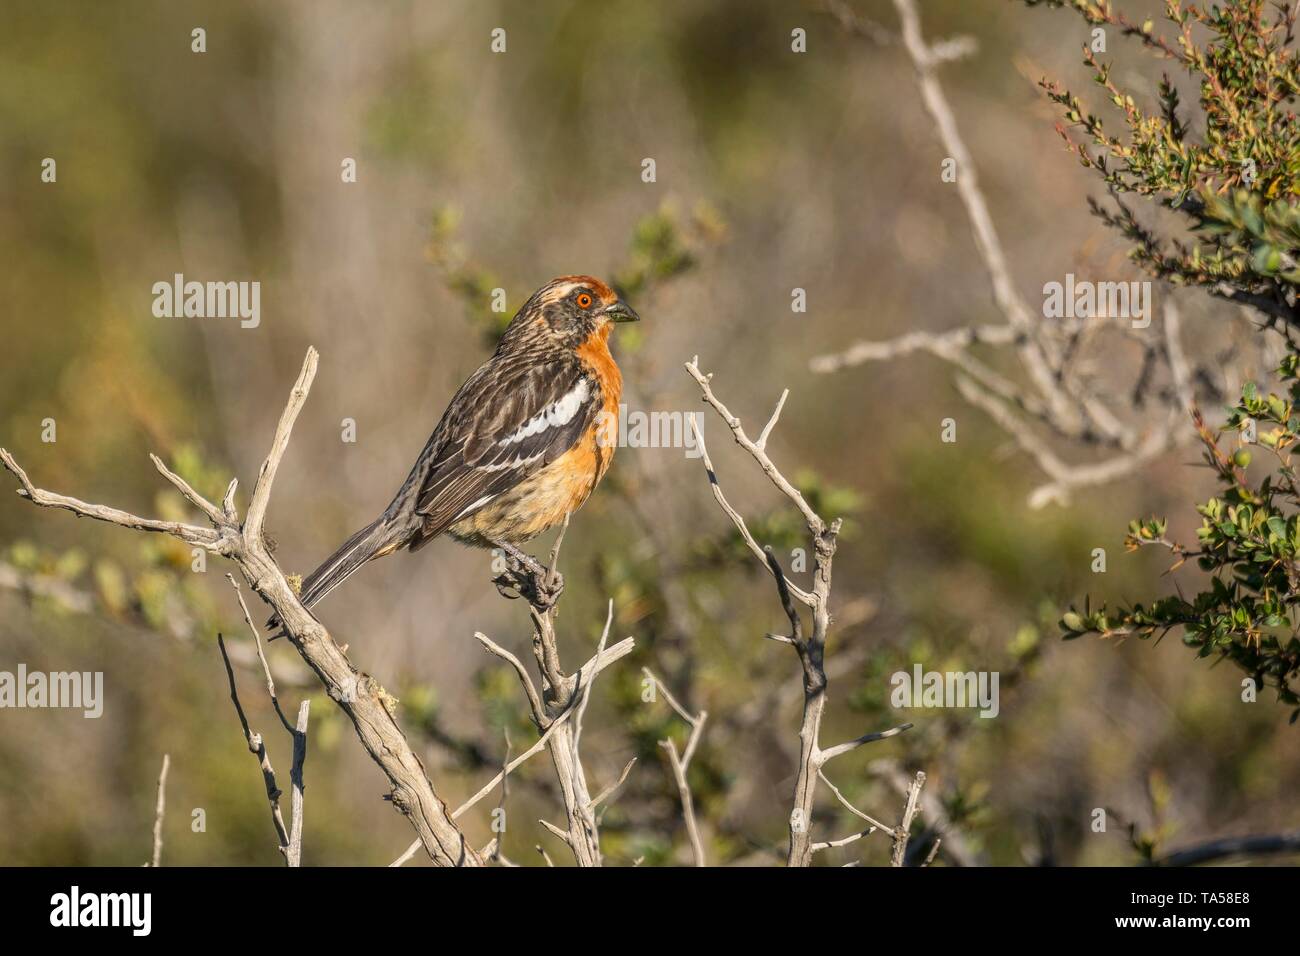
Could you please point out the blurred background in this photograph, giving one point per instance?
(475, 171)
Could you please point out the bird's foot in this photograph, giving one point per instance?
(528, 578)
(523, 560)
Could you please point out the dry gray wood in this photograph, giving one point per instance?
(359, 695)
(257, 747)
(560, 693)
(1059, 396)
(160, 811)
(955, 848)
(587, 673)
(290, 843)
(810, 648)
(681, 763)
(293, 854)
(903, 832)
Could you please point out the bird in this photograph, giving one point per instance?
(522, 444)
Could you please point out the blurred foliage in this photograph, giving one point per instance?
(665, 245)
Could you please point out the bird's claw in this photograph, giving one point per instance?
(527, 577)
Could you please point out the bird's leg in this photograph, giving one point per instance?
(526, 561)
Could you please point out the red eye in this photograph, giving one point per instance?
(584, 300)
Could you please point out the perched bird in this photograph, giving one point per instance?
(522, 444)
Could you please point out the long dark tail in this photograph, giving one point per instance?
(375, 539)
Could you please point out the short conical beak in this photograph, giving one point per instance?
(620, 311)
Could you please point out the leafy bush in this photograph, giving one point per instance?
(1233, 171)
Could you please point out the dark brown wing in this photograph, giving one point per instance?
(512, 418)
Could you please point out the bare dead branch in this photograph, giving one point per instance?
(680, 764)
(1036, 356)
(955, 848)
(536, 710)
(830, 753)
(294, 852)
(160, 811)
(257, 747)
(609, 791)
(771, 422)
(844, 801)
(1059, 396)
(560, 693)
(360, 696)
(903, 832)
(810, 647)
(603, 658)
(810, 517)
(951, 346)
(191, 534)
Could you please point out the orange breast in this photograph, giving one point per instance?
(594, 355)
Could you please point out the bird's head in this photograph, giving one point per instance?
(568, 311)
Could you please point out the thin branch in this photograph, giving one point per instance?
(1067, 477)
(294, 852)
(609, 791)
(559, 693)
(876, 824)
(787, 605)
(556, 831)
(537, 711)
(590, 669)
(257, 747)
(680, 764)
(736, 518)
(261, 655)
(811, 518)
(192, 534)
(844, 841)
(771, 422)
(160, 811)
(603, 658)
(811, 648)
(1036, 357)
(955, 848)
(261, 497)
(903, 832)
(934, 851)
(215, 515)
(830, 753)
(951, 346)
